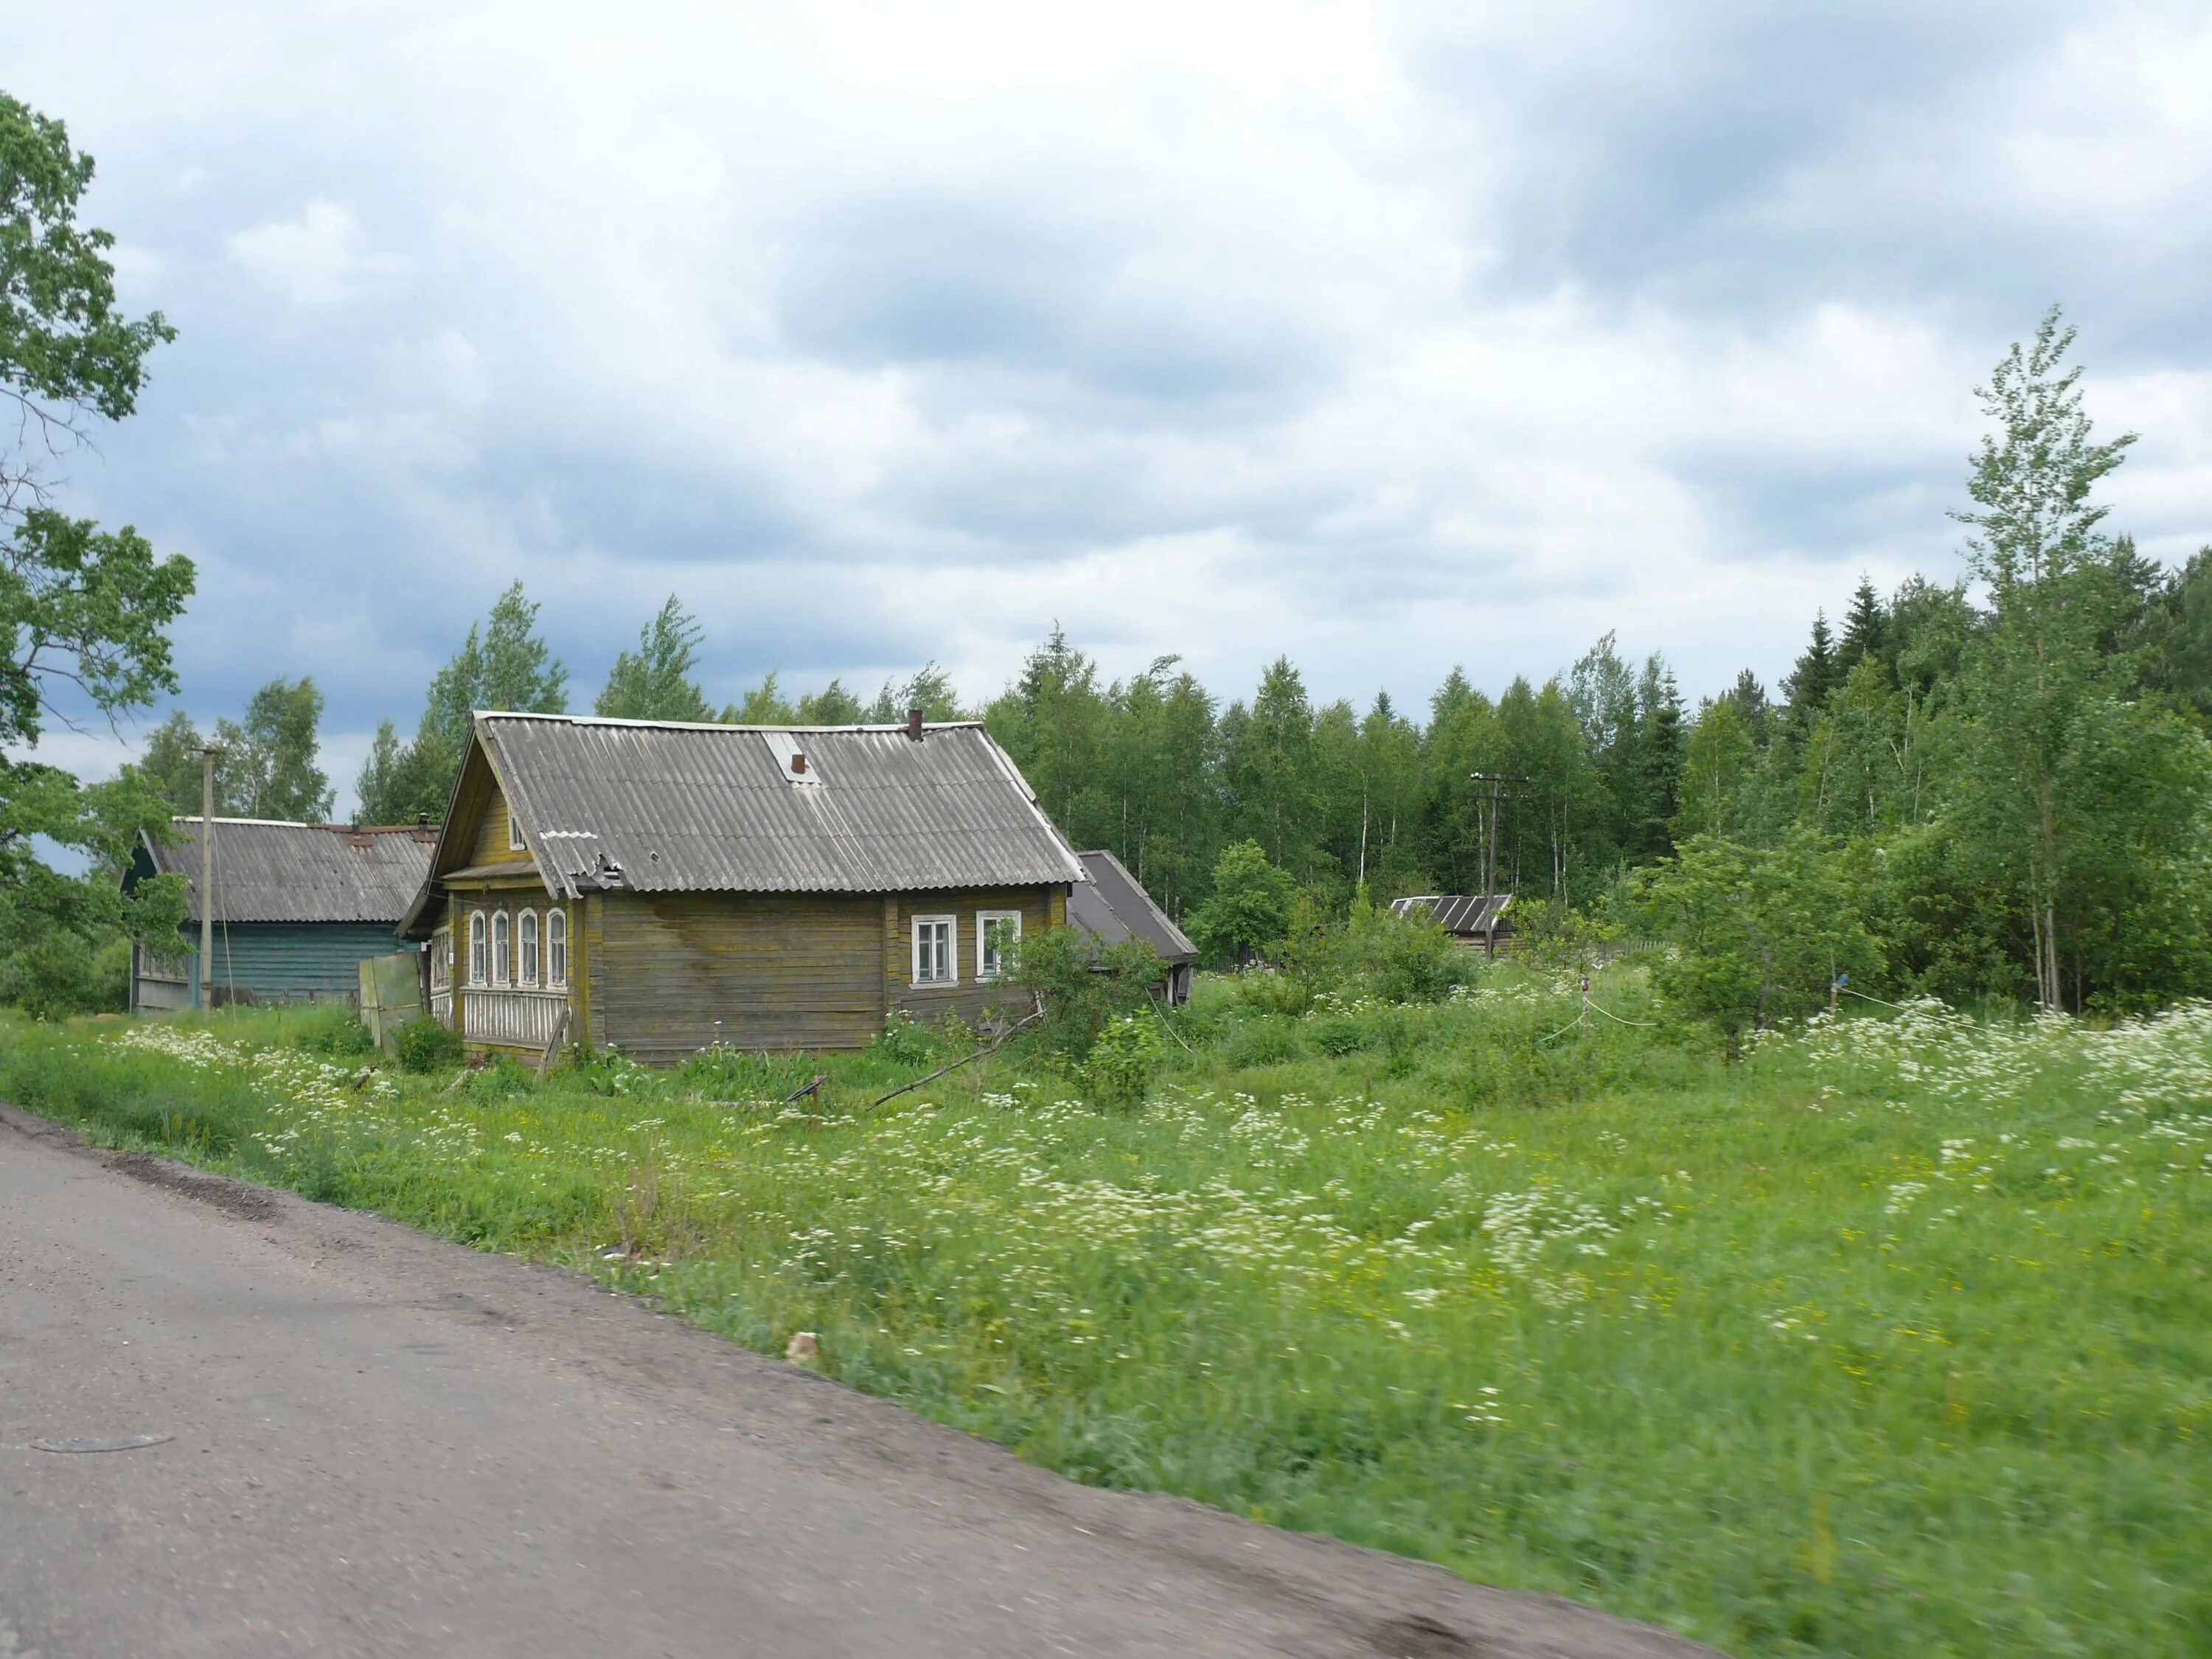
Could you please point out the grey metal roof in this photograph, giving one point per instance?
(1115, 907)
(1460, 913)
(680, 808)
(266, 870)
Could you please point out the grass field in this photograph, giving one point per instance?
(1895, 1338)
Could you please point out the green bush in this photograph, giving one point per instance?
(1083, 987)
(1339, 1035)
(1400, 959)
(1124, 1058)
(56, 975)
(337, 1032)
(423, 1045)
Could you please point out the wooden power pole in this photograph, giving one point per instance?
(207, 880)
(1497, 780)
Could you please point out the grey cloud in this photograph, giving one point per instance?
(1009, 280)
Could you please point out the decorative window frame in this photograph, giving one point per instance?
(441, 961)
(502, 948)
(479, 950)
(513, 830)
(556, 948)
(986, 970)
(951, 954)
(529, 951)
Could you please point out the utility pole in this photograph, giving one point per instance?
(206, 879)
(1497, 780)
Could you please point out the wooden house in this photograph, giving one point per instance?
(1478, 921)
(657, 888)
(296, 907)
(1114, 907)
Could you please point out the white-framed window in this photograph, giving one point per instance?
(441, 961)
(526, 936)
(513, 830)
(476, 947)
(996, 934)
(557, 950)
(502, 947)
(936, 952)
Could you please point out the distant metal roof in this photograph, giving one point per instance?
(1115, 906)
(1460, 913)
(660, 807)
(267, 871)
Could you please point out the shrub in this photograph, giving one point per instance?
(1400, 958)
(56, 974)
(1339, 1035)
(907, 1040)
(337, 1032)
(425, 1045)
(1763, 931)
(1082, 986)
(1124, 1058)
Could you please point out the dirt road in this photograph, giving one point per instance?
(387, 1444)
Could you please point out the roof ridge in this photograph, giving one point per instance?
(710, 725)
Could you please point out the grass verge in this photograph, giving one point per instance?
(1892, 1340)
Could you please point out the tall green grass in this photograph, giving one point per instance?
(1892, 1340)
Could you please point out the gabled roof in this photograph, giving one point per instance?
(1460, 913)
(269, 870)
(654, 807)
(1115, 907)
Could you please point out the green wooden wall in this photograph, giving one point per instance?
(290, 962)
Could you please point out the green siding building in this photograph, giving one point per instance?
(296, 907)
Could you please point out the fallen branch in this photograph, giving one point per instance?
(1004, 1038)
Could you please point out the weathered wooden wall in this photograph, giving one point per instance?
(973, 1001)
(674, 973)
(661, 975)
(490, 846)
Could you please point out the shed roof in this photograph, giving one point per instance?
(658, 807)
(1460, 913)
(1115, 906)
(270, 870)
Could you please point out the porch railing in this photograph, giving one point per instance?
(524, 1019)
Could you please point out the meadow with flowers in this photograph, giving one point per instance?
(1890, 1338)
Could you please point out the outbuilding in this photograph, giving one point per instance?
(295, 909)
(657, 888)
(1478, 921)
(1114, 907)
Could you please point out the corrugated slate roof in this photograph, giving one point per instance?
(1461, 913)
(679, 808)
(1115, 907)
(266, 870)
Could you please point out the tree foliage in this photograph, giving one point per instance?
(654, 682)
(84, 612)
(503, 666)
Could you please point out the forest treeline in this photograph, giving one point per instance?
(2003, 777)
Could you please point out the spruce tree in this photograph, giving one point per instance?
(1866, 630)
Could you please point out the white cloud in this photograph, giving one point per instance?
(319, 260)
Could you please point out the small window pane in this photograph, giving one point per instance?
(996, 931)
(933, 959)
(477, 949)
(556, 948)
(502, 948)
(530, 947)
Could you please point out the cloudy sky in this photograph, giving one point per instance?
(1391, 337)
